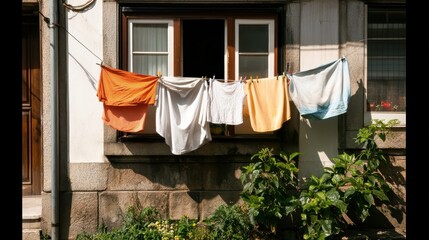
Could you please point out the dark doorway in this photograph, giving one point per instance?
(204, 48)
(31, 103)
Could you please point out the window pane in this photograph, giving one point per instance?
(150, 37)
(391, 48)
(150, 64)
(386, 59)
(253, 38)
(253, 66)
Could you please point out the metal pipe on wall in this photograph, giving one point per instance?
(53, 40)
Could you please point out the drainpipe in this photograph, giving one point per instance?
(54, 120)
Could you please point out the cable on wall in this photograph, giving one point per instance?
(78, 8)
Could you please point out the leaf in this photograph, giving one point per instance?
(293, 155)
(326, 226)
(321, 195)
(369, 198)
(248, 187)
(380, 195)
(349, 192)
(333, 194)
(324, 177)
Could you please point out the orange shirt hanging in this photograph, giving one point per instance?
(125, 96)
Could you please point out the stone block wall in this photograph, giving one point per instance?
(191, 187)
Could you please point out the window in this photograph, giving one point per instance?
(151, 46)
(229, 43)
(254, 41)
(386, 61)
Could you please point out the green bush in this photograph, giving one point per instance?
(145, 224)
(229, 222)
(267, 183)
(271, 193)
(351, 184)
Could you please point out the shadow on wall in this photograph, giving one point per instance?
(175, 185)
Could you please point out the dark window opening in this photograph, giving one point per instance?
(203, 48)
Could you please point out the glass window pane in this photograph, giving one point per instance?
(253, 66)
(150, 64)
(150, 37)
(386, 59)
(253, 38)
(391, 30)
(392, 48)
(387, 68)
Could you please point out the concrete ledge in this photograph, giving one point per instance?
(31, 224)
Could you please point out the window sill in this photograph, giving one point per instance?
(386, 116)
(150, 149)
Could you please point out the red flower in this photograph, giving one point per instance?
(385, 105)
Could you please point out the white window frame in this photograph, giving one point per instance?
(271, 36)
(170, 47)
(370, 115)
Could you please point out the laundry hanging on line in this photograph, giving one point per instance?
(125, 96)
(181, 113)
(226, 102)
(184, 105)
(268, 104)
(321, 92)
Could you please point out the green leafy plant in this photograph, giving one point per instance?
(267, 183)
(229, 222)
(320, 205)
(364, 183)
(145, 223)
(327, 204)
(44, 236)
(351, 184)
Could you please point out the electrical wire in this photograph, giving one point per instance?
(47, 20)
(78, 8)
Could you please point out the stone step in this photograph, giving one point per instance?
(31, 223)
(31, 217)
(31, 234)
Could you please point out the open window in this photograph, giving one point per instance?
(202, 41)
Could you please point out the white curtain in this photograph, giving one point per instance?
(150, 48)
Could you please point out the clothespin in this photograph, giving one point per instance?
(241, 80)
(251, 79)
(159, 74)
(257, 78)
(284, 75)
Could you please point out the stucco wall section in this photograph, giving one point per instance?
(319, 44)
(353, 48)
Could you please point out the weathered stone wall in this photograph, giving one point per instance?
(190, 187)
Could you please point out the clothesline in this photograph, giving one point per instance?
(186, 105)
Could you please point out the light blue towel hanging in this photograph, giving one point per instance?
(321, 92)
